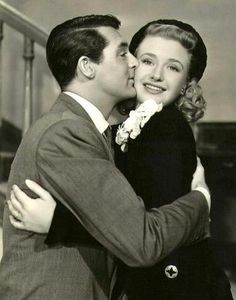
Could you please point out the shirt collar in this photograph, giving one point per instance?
(97, 117)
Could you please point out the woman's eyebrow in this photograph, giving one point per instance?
(149, 54)
(174, 60)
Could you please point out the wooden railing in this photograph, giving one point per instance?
(32, 34)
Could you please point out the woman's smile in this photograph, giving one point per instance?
(162, 71)
(153, 89)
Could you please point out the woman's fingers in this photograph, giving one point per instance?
(37, 189)
(20, 196)
(198, 160)
(31, 214)
(15, 213)
(16, 223)
(199, 164)
(15, 202)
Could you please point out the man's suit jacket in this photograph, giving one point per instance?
(66, 154)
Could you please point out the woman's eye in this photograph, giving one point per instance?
(146, 61)
(174, 68)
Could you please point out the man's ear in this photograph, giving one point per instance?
(86, 67)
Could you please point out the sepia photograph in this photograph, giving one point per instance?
(117, 150)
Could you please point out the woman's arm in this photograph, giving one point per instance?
(45, 215)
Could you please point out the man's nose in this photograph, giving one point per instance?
(133, 62)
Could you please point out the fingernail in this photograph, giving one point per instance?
(14, 187)
(28, 182)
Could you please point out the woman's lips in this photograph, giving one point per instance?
(154, 89)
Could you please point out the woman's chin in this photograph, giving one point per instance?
(142, 100)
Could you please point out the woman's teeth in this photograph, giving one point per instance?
(154, 88)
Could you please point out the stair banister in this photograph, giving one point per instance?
(32, 34)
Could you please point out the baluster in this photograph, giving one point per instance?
(1, 100)
(28, 100)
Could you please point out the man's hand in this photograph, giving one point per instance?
(28, 213)
(199, 182)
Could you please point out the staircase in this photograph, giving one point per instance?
(10, 136)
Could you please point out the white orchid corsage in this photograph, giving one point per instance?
(132, 126)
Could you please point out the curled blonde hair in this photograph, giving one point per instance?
(192, 103)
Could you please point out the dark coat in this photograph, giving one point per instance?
(160, 164)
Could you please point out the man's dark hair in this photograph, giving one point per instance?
(74, 38)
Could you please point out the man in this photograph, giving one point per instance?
(67, 153)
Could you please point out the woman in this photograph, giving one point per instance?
(160, 161)
(157, 154)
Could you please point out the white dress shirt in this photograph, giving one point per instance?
(97, 117)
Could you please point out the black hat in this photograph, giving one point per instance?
(199, 52)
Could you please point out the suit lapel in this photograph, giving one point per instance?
(64, 102)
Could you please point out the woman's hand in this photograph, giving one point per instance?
(31, 214)
(199, 176)
(199, 181)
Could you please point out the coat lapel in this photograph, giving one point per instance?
(64, 102)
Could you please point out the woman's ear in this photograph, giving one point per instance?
(189, 83)
(86, 67)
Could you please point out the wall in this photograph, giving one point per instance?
(214, 19)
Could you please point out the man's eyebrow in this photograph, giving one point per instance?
(123, 45)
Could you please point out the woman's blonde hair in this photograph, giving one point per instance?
(191, 103)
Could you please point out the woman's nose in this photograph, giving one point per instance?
(157, 74)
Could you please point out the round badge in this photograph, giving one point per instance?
(171, 271)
